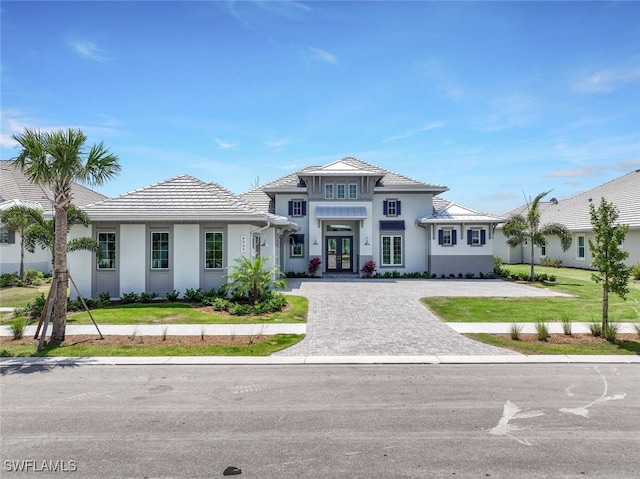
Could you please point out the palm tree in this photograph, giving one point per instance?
(42, 233)
(519, 229)
(57, 159)
(253, 279)
(19, 218)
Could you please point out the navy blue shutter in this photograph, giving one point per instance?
(398, 207)
(440, 237)
(453, 237)
(469, 238)
(385, 205)
(304, 208)
(290, 208)
(483, 237)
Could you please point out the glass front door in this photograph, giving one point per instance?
(339, 253)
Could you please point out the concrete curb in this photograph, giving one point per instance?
(313, 360)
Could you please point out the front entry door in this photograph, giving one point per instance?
(339, 253)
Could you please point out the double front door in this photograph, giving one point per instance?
(339, 252)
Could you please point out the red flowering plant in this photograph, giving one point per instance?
(369, 269)
(314, 264)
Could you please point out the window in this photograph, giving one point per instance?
(581, 247)
(107, 246)
(476, 237)
(447, 237)
(159, 250)
(391, 207)
(341, 192)
(328, 191)
(391, 250)
(543, 251)
(5, 235)
(297, 208)
(296, 244)
(213, 250)
(353, 191)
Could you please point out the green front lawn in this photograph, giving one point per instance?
(14, 297)
(585, 305)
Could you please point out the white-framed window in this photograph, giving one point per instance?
(392, 208)
(543, 251)
(296, 206)
(392, 250)
(328, 191)
(341, 191)
(4, 235)
(475, 237)
(296, 245)
(581, 247)
(447, 237)
(159, 250)
(353, 191)
(213, 249)
(107, 246)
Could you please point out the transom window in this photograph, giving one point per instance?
(213, 250)
(107, 246)
(159, 250)
(328, 191)
(353, 191)
(341, 192)
(391, 250)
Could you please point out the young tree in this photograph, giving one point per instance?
(253, 279)
(19, 218)
(42, 233)
(519, 229)
(607, 256)
(56, 159)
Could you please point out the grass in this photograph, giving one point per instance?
(540, 347)
(183, 313)
(584, 305)
(16, 297)
(262, 348)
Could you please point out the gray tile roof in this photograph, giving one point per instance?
(389, 181)
(448, 212)
(14, 185)
(177, 199)
(623, 192)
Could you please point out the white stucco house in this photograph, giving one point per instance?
(15, 189)
(623, 192)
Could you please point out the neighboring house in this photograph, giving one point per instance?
(16, 189)
(351, 212)
(623, 192)
(184, 233)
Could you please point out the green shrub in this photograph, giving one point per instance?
(635, 271)
(566, 326)
(33, 277)
(18, 326)
(218, 304)
(596, 328)
(74, 305)
(193, 295)
(543, 330)
(271, 305)
(146, 297)
(469, 275)
(128, 298)
(551, 263)
(172, 296)
(610, 332)
(515, 331)
(497, 265)
(8, 279)
(240, 309)
(34, 308)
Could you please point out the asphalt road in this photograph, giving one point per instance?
(415, 421)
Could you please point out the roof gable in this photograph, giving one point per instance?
(449, 212)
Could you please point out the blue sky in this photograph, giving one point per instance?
(494, 100)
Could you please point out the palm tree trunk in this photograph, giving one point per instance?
(531, 274)
(22, 255)
(60, 272)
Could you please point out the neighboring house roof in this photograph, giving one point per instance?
(14, 185)
(623, 192)
(4, 205)
(448, 212)
(178, 199)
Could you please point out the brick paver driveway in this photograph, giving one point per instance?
(385, 317)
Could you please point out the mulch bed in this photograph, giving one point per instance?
(585, 338)
(142, 341)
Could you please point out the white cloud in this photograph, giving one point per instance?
(88, 50)
(595, 170)
(223, 145)
(324, 55)
(606, 80)
(407, 134)
(276, 145)
(437, 76)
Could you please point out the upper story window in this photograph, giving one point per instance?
(107, 245)
(353, 191)
(391, 207)
(297, 208)
(328, 191)
(213, 250)
(341, 191)
(159, 250)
